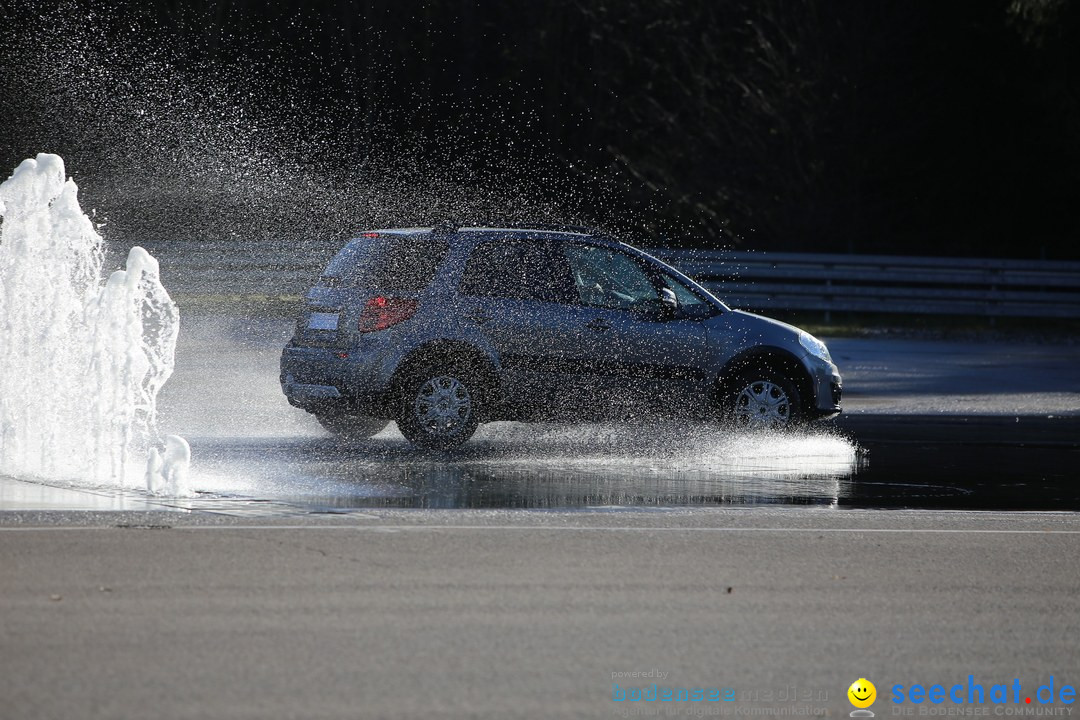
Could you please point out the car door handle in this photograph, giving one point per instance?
(598, 325)
(479, 318)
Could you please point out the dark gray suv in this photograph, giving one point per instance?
(441, 329)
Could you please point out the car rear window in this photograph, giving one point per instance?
(389, 262)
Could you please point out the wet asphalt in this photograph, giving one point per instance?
(927, 535)
(928, 424)
(525, 614)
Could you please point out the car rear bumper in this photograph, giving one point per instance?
(307, 395)
(324, 380)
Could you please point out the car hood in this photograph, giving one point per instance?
(765, 326)
(742, 329)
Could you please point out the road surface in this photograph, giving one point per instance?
(295, 585)
(516, 614)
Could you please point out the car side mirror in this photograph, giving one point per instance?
(661, 309)
(669, 299)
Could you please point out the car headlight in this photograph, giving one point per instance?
(814, 346)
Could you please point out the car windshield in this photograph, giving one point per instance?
(398, 262)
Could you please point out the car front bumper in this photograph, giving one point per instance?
(828, 390)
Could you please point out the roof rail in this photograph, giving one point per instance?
(445, 228)
(555, 227)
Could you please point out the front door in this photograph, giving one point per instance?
(638, 353)
(581, 331)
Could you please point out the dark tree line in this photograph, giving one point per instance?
(808, 125)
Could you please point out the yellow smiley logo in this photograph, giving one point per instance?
(862, 693)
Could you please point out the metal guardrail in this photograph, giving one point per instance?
(886, 284)
(236, 268)
(748, 280)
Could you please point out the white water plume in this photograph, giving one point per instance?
(81, 359)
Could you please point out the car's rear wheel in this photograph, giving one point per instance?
(762, 397)
(438, 408)
(351, 427)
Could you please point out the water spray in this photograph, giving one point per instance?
(81, 359)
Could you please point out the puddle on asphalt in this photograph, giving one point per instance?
(511, 465)
(966, 476)
(590, 466)
(531, 466)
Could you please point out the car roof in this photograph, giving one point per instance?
(530, 231)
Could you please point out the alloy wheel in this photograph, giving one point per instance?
(762, 404)
(442, 406)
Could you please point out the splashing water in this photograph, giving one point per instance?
(213, 134)
(81, 360)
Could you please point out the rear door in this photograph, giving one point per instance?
(517, 292)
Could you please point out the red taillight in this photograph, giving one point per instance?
(369, 234)
(382, 312)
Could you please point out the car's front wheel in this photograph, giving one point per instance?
(438, 408)
(351, 427)
(762, 397)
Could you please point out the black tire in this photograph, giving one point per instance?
(762, 397)
(351, 427)
(438, 406)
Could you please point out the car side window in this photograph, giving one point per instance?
(604, 277)
(518, 270)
